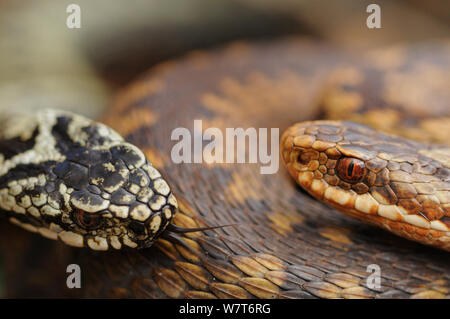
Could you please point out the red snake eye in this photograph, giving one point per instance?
(87, 220)
(351, 170)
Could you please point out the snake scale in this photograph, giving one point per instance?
(59, 172)
(285, 245)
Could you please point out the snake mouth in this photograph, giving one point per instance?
(172, 232)
(145, 243)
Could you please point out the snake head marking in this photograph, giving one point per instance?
(382, 179)
(321, 155)
(82, 183)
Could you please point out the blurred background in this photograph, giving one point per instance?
(44, 63)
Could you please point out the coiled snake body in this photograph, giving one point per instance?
(284, 245)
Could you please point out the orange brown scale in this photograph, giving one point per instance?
(380, 179)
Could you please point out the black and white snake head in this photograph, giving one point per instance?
(73, 179)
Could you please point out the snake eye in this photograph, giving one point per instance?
(87, 220)
(351, 170)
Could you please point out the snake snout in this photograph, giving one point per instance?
(309, 147)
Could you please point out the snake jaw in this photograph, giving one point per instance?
(374, 177)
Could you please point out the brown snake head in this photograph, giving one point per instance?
(398, 184)
(69, 178)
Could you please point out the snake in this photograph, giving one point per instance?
(72, 179)
(384, 180)
(67, 177)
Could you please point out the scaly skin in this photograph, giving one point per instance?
(389, 181)
(286, 244)
(69, 178)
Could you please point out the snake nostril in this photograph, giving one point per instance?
(304, 158)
